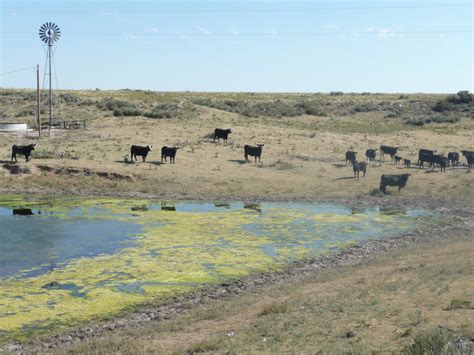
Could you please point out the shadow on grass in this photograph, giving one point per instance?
(127, 162)
(340, 165)
(345, 178)
(238, 161)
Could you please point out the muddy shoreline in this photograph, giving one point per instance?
(456, 218)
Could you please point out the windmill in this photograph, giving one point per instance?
(49, 33)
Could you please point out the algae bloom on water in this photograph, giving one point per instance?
(67, 263)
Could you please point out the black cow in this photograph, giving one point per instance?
(221, 133)
(470, 160)
(385, 149)
(426, 157)
(141, 151)
(424, 153)
(371, 154)
(469, 155)
(350, 157)
(253, 151)
(393, 180)
(168, 152)
(397, 159)
(22, 150)
(407, 163)
(358, 167)
(453, 158)
(441, 161)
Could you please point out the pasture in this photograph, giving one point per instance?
(304, 140)
(303, 156)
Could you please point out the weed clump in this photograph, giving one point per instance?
(439, 341)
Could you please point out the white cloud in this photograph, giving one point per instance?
(382, 32)
(270, 31)
(203, 30)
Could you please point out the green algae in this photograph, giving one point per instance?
(175, 253)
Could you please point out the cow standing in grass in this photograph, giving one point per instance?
(469, 155)
(371, 154)
(22, 150)
(168, 152)
(253, 151)
(221, 133)
(425, 155)
(453, 158)
(393, 180)
(385, 149)
(351, 157)
(141, 151)
(357, 167)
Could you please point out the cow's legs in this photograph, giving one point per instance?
(143, 157)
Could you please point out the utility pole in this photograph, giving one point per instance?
(38, 112)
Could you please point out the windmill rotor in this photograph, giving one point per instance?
(49, 33)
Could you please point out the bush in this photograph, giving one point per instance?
(439, 341)
(70, 98)
(420, 121)
(127, 111)
(336, 93)
(443, 105)
(113, 104)
(462, 97)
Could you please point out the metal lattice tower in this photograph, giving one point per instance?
(49, 33)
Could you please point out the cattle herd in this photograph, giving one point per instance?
(425, 156)
(430, 157)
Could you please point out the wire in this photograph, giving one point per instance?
(442, 5)
(250, 34)
(18, 70)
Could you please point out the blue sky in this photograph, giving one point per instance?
(285, 46)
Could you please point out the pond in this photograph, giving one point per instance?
(69, 261)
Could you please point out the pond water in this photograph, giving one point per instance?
(64, 262)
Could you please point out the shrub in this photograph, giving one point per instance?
(439, 341)
(127, 111)
(443, 105)
(420, 121)
(336, 93)
(70, 97)
(113, 104)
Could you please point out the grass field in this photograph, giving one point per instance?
(386, 302)
(303, 156)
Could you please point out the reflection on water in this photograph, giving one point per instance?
(88, 258)
(22, 211)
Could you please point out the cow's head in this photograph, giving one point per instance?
(260, 145)
(32, 146)
(149, 147)
(229, 130)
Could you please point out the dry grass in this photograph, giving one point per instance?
(387, 303)
(303, 156)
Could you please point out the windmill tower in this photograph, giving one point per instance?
(49, 33)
